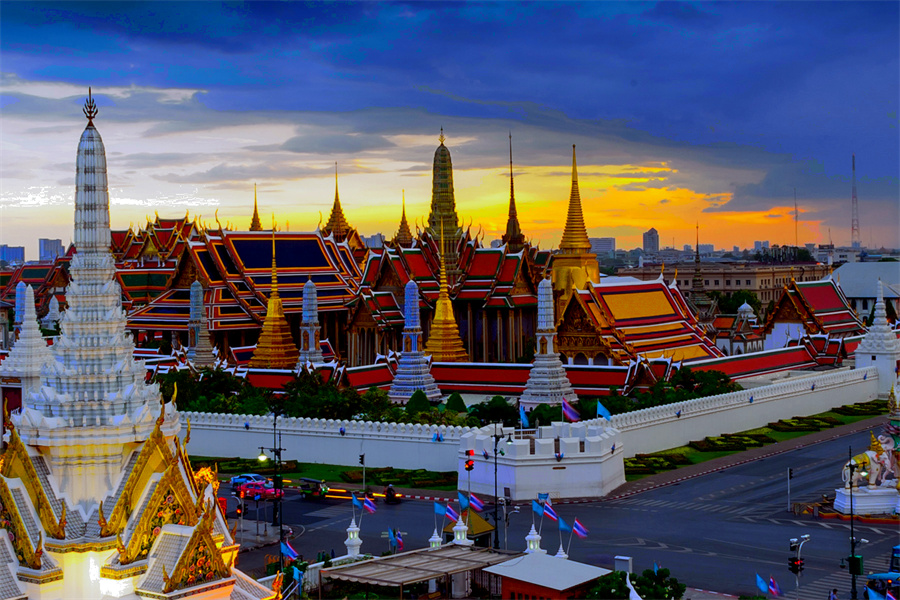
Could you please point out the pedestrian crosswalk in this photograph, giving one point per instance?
(638, 503)
(331, 511)
(839, 580)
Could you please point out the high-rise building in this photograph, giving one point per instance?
(735, 250)
(706, 248)
(651, 241)
(12, 254)
(757, 245)
(603, 247)
(48, 250)
(688, 248)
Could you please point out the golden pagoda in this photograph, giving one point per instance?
(444, 343)
(574, 266)
(404, 235)
(255, 225)
(337, 224)
(276, 348)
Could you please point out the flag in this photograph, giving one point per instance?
(550, 513)
(451, 514)
(602, 411)
(655, 568)
(399, 539)
(774, 588)
(439, 509)
(889, 596)
(298, 575)
(392, 540)
(579, 529)
(565, 527)
(476, 503)
(369, 505)
(537, 508)
(463, 501)
(545, 498)
(873, 595)
(356, 501)
(289, 552)
(761, 584)
(569, 411)
(485, 452)
(523, 417)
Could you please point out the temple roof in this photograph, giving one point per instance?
(514, 238)
(404, 235)
(337, 225)
(820, 305)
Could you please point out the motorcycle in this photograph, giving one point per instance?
(392, 497)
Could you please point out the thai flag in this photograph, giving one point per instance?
(399, 540)
(476, 503)
(774, 588)
(569, 412)
(579, 529)
(369, 505)
(452, 514)
(486, 455)
(288, 551)
(550, 513)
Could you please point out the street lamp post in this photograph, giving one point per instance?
(276, 450)
(855, 562)
(497, 437)
(797, 544)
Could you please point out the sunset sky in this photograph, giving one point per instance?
(681, 113)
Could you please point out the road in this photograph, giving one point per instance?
(715, 532)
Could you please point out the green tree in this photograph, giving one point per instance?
(657, 585)
(730, 303)
(495, 410)
(610, 587)
(456, 404)
(417, 403)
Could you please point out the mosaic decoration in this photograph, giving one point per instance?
(11, 521)
(200, 562)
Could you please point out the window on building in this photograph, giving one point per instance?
(748, 282)
(706, 282)
(865, 304)
(727, 282)
(717, 282)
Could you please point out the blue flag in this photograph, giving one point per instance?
(564, 527)
(761, 584)
(298, 575)
(391, 539)
(463, 501)
(602, 411)
(537, 508)
(439, 509)
(523, 417)
(544, 497)
(356, 501)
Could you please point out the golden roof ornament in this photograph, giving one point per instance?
(444, 343)
(575, 239)
(874, 444)
(275, 348)
(441, 137)
(893, 407)
(90, 108)
(255, 224)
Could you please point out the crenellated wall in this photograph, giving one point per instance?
(398, 445)
(661, 427)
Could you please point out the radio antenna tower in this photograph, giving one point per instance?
(796, 219)
(855, 241)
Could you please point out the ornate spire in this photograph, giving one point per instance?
(413, 370)
(275, 348)
(90, 108)
(444, 343)
(575, 239)
(443, 222)
(310, 349)
(30, 352)
(337, 224)
(200, 351)
(404, 235)
(513, 238)
(255, 225)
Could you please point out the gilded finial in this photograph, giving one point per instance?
(101, 518)
(874, 444)
(441, 137)
(90, 108)
(274, 266)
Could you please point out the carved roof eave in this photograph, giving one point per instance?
(202, 536)
(16, 454)
(155, 443)
(800, 306)
(28, 556)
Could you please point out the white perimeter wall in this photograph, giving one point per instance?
(398, 445)
(406, 446)
(658, 428)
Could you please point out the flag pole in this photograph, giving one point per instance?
(571, 533)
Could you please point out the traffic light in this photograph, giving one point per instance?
(278, 482)
(240, 508)
(790, 473)
(795, 565)
(470, 464)
(362, 459)
(856, 565)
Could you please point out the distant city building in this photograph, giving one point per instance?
(603, 247)
(688, 248)
(496, 243)
(48, 249)
(706, 248)
(373, 241)
(735, 250)
(12, 254)
(651, 241)
(760, 245)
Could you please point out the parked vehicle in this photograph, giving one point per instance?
(251, 489)
(889, 581)
(239, 480)
(312, 488)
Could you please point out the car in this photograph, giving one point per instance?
(238, 480)
(251, 489)
(313, 488)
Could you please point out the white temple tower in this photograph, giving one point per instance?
(200, 351)
(547, 381)
(28, 357)
(413, 369)
(51, 319)
(880, 348)
(310, 349)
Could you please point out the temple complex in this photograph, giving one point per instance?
(275, 348)
(98, 496)
(574, 266)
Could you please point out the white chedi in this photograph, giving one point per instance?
(413, 368)
(30, 354)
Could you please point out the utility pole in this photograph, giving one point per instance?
(855, 241)
(790, 475)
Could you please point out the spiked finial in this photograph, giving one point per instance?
(274, 267)
(441, 137)
(90, 108)
(255, 225)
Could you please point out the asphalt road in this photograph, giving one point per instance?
(714, 532)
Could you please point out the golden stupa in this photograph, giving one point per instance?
(276, 348)
(444, 343)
